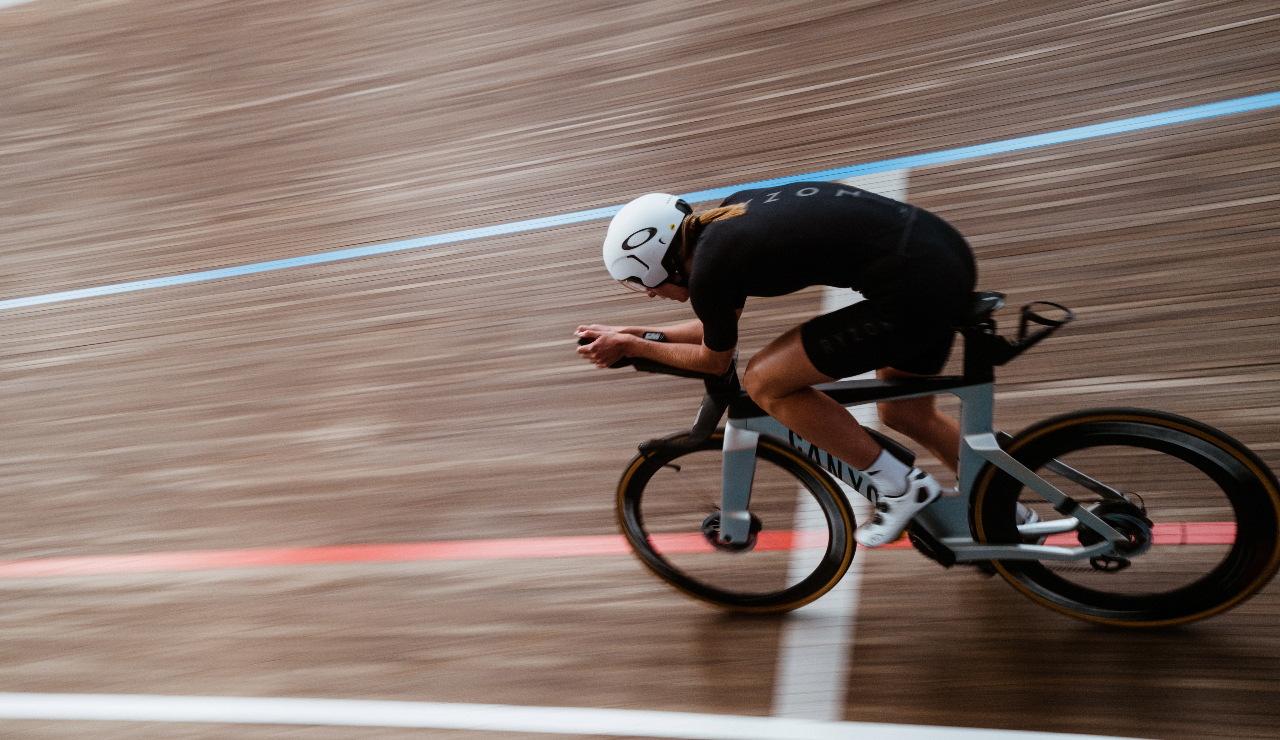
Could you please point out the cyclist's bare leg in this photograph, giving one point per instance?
(780, 378)
(920, 419)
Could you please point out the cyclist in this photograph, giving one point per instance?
(915, 271)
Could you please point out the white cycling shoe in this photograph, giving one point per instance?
(893, 513)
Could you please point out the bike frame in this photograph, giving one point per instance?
(945, 522)
(946, 519)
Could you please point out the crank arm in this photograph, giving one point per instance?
(1053, 526)
(967, 550)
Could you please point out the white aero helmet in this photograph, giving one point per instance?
(635, 249)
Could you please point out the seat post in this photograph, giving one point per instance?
(979, 362)
(980, 339)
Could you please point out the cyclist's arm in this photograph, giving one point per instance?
(683, 348)
(689, 332)
(696, 357)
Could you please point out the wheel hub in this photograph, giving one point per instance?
(711, 532)
(1130, 521)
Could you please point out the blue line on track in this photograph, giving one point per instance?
(1195, 113)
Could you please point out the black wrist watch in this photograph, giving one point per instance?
(654, 336)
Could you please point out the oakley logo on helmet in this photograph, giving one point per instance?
(629, 243)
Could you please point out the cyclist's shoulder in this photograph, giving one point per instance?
(713, 262)
(807, 197)
(809, 187)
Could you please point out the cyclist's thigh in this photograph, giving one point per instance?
(927, 352)
(781, 367)
(870, 335)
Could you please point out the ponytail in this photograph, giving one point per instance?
(692, 226)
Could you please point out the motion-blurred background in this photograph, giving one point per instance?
(434, 394)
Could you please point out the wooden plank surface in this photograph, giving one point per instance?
(434, 394)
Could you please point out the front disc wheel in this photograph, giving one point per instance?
(801, 540)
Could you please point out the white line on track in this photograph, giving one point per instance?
(817, 639)
(11, 3)
(480, 717)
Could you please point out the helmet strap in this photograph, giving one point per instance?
(675, 272)
(671, 260)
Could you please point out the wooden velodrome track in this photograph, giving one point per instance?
(433, 394)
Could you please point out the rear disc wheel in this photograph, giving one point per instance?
(1202, 517)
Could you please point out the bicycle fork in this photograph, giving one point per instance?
(739, 459)
(739, 468)
(740, 441)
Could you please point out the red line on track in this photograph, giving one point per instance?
(533, 547)
(1194, 533)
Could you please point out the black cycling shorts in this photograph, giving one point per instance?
(907, 320)
(862, 337)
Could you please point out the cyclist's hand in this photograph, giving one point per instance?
(606, 348)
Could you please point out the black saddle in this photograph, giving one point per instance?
(981, 305)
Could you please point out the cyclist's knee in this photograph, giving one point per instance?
(778, 370)
(763, 384)
(756, 382)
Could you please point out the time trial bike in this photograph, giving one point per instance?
(1115, 515)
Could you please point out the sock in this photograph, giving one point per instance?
(889, 474)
